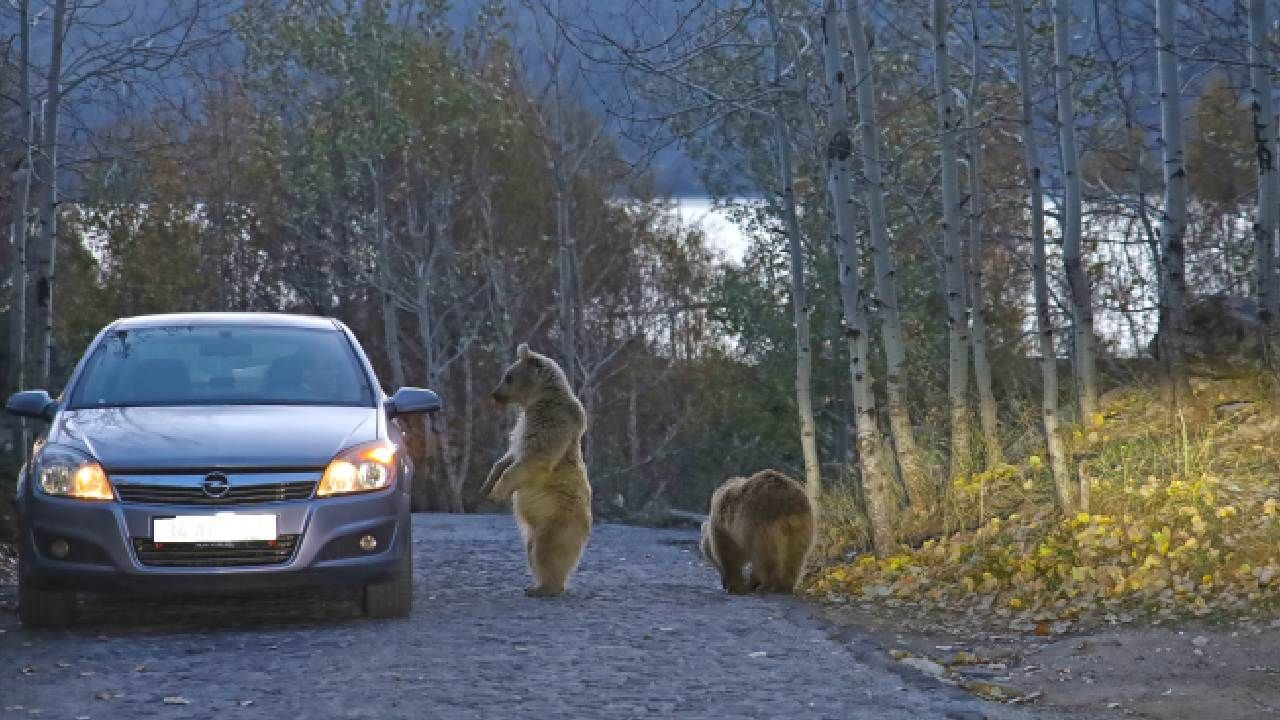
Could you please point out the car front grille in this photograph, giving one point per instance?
(230, 554)
(194, 495)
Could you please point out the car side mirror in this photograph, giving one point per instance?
(32, 404)
(410, 400)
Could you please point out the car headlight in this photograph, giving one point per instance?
(363, 468)
(63, 472)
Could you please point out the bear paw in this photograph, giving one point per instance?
(540, 591)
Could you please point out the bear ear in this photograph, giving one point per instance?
(522, 351)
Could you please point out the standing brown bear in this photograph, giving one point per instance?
(766, 520)
(543, 468)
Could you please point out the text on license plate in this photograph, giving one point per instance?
(222, 527)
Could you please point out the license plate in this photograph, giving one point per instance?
(219, 528)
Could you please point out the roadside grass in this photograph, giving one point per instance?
(1184, 520)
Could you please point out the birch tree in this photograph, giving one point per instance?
(92, 47)
(916, 476)
(1173, 219)
(876, 477)
(981, 364)
(952, 246)
(1081, 295)
(1264, 129)
(21, 192)
(45, 255)
(799, 292)
(1040, 277)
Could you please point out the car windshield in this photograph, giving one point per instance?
(227, 365)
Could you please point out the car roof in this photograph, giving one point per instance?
(262, 319)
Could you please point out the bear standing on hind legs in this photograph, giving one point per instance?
(543, 467)
(766, 520)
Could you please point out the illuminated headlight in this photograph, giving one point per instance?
(363, 468)
(66, 473)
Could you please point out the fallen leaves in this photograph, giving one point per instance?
(1178, 525)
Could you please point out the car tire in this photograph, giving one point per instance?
(43, 609)
(393, 598)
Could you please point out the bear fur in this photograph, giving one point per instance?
(767, 520)
(543, 469)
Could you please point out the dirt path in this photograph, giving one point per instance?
(1195, 671)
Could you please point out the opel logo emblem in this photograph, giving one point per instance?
(216, 485)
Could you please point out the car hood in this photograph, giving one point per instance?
(258, 436)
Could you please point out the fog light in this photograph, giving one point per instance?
(59, 549)
(368, 543)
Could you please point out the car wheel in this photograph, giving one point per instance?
(393, 598)
(43, 609)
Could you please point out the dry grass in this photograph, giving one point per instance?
(1185, 519)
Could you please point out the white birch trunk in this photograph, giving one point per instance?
(1264, 129)
(953, 248)
(1081, 301)
(45, 266)
(987, 414)
(18, 237)
(1044, 323)
(915, 475)
(1173, 220)
(876, 478)
(799, 293)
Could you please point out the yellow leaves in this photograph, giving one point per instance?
(1198, 525)
(898, 562)
(1162, 538)
(1167, 532)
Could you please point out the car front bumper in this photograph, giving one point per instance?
(104, 557)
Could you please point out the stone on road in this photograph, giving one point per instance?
(645, 631)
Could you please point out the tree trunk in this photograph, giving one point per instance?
(390, 316)
(1264, 227)
(1081, 300)
(915, 475)
(21, 197)
(1173, 221)
(566, 256)
(876, 478)
(1044, 323)
(977, 302)
(45, 266)
(799, 293)
(953, 250)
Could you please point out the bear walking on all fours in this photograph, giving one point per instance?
(544, 470)
(766, 520)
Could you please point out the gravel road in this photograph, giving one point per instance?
(645, 631)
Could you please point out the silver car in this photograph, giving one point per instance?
(215, 452)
